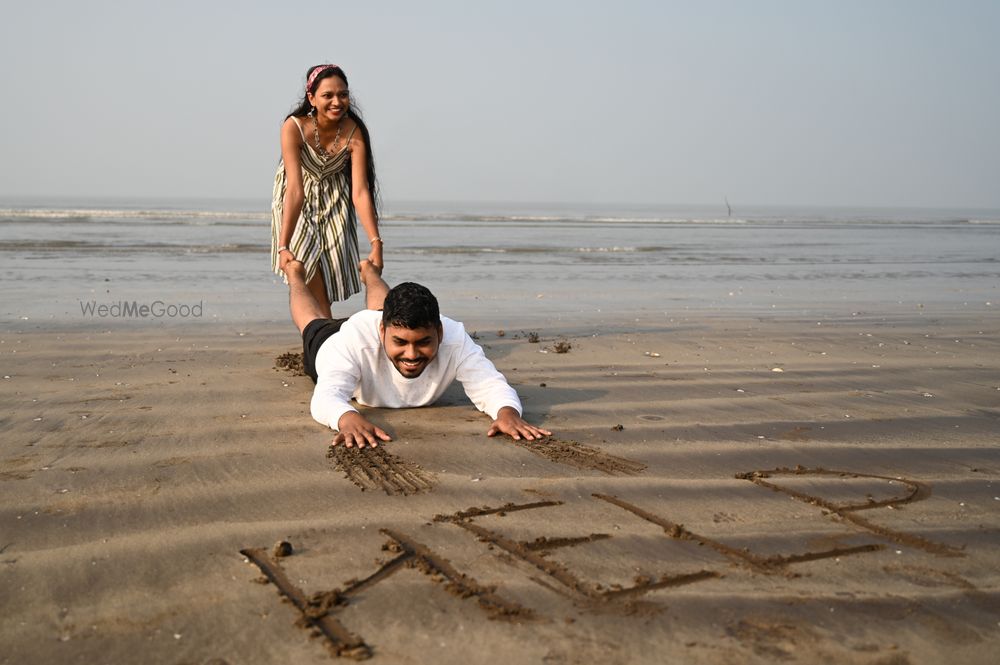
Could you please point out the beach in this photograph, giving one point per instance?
(788, 464)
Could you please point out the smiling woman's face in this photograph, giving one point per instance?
(332, 99)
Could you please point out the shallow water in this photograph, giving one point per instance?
(552, 264)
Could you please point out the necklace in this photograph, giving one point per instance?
(319, 146)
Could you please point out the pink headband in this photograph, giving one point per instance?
(315, 73)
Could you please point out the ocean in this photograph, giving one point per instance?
(521, 265)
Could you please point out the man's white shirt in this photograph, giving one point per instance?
(352, 363)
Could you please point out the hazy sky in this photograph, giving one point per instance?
(797, 102)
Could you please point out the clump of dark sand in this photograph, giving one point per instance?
(562, 346)
(291, 362)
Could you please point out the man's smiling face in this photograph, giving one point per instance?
(411, 349)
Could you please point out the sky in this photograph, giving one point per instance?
(763, 102)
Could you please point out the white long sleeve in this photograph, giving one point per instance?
(483, 383)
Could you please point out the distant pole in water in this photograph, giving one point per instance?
(729, 207)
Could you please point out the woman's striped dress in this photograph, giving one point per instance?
(326, 236)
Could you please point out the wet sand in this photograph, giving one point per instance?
(694, 505)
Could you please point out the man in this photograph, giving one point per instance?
(405, 355)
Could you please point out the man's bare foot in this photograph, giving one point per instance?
(295, 270)
(375, 287)
(369, 270)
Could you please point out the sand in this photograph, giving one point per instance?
(694, 505)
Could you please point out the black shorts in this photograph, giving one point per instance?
(316, 332)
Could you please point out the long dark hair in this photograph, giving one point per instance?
(303, 108)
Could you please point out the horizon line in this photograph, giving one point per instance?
(35, 200)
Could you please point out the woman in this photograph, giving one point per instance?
(325, 184)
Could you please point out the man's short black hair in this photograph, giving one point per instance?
(410, 306)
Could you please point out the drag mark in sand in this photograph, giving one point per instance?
(580, 456)
(501, 511)
(544, 544)
(534, 554)
(377, 468)
(744, 556)
(916, 492)
(318, 610)
(556, 571)
(315, 610)
(440, 569)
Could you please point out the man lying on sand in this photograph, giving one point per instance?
(399, 352)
